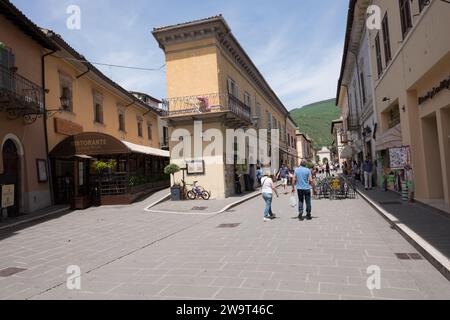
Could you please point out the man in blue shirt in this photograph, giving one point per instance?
(303, 181)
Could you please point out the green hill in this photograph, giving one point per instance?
(315, 120)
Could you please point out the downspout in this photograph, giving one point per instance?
(50, 175)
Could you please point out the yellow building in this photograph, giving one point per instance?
(23, 158)
(304, 146)
(93, 122)
(210, 78)
(411, 57)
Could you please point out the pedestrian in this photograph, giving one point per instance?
(268, 189)
(283, 174)
(368, 173)
(327, 170)
(409, 178)
(237, 182)
(259, 175)
(303, 182)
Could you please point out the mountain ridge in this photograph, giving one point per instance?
(315, 120)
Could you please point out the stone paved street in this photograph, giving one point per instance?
(128, 253)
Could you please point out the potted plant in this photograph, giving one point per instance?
(175, 190)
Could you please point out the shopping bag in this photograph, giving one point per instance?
(293, 201)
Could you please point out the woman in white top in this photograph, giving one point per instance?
(268, 188)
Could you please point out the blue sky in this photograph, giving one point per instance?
(297, 45)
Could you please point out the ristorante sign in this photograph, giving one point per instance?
(90, 144)
(430, 95)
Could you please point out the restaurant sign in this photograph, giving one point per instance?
(433, 92)
(90, 144)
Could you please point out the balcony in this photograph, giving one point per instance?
(20, 97)
(200, 107)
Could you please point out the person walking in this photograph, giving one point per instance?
(303, 182)
(259, 175)
(283, 174)
(268, 189)
(327, 170)
(368, 174)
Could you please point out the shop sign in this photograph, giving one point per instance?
(433, 92)
(7, 195)
(67, 127)
(90, 144)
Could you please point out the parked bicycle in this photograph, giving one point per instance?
(196, 192)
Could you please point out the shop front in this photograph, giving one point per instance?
(97, 169)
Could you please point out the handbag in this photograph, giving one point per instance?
(293, 201)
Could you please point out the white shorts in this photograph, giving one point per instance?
(284, 181)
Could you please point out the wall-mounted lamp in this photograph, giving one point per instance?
(386, 99)
(404, 109)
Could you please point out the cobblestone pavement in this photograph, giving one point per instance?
(127, 253)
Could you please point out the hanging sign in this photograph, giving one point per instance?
(7, 195)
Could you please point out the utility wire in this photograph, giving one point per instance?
(116, 65)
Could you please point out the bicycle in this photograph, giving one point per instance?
(196, 192)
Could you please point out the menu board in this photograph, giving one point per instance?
(399, 157)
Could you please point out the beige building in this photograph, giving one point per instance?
(23, 158)
(210, 78)
(304, 146)
(339, 135)
(411, 57)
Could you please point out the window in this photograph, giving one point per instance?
(247, 100)
(165, 135)
(66, 99)
(259, 115)
(268, 121)
(392, 116)
(150, 133)
(139, 128)
(405, 16)
(378, 55)
(363, 85)
(122, 120)
(98, 108)
(386, 40)
(233, 88)
(274, 121)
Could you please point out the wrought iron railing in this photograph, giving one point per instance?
(207, 103)
(19, 96)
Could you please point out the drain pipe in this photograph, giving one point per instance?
(49, 166)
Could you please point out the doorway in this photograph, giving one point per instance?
(432, 157)
(11, 173)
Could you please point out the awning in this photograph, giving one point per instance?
(347, 152)
(83, 156)
(390, 139)
(136, 148)
(90, 144)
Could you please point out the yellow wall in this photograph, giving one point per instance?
(33, 195)
(191, 68)
(83, 107)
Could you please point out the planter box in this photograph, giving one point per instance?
(175, 193)
(80, 203)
